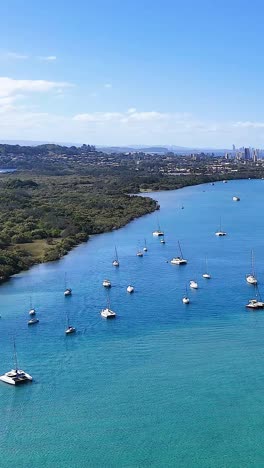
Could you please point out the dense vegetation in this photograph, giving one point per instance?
(60, 196)
(59, 211)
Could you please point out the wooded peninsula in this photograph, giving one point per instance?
(58, 196)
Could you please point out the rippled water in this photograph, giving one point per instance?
(164, 384)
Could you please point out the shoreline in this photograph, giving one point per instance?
(69, 248)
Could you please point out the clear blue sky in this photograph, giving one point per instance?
(133, 72)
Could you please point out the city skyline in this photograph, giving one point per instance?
(125, 74)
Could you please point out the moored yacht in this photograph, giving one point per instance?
(158, 231)
(206, 275)
(69, 329)
(220, 232)
(130, 289)
(145, 249)
(31, 311)
(179, 260)
(115, 261)
(193, 284)
(33, 321)
(251, 278)
(107, 283)
(255, 304)
(16, 376)
(67, 291)
(236, 199)
(185, 298)
(162, 240)
(107, 313)
(139, 253)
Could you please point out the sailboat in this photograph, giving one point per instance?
(158, 232)
(107, 283)
(15, 376)
(130, 289)
(107, 312)
(193, 284)
(139, 253)
(256, 303)
(251, 279)
(70, 329)
(220, 232)
(179, 260)
(32, 311)
(67, 291)
(115, 261)
(162, 240)
(206, 275)
(145, 249)
(185, 298)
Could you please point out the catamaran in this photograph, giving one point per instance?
(115, 261)
(107, 312)
(16, 376)
(256, 303)
(251, 278)
(220, 232)
(179, 260)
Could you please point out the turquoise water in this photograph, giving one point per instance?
(164, 384)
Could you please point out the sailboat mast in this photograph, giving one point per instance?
(252, 263)
(116, 256)
(15, 356)
(180, 249)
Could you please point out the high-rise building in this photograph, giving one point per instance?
(247, 153)
(234, 148)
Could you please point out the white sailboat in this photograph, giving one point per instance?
(107, 283)
(158, 231)
(256, 303)
(67, 291)
(16, 376)
(251, 278)
(107, 313)
(115, 261)
(236, 198)
(145, 249)
(162, 240)
(33, 321)
(31, 311)
(206, 275)
(179, 260)
(220, 232)
(130, 289)
(139, 253)
(185, 298)
(69, 329)
(193, 284)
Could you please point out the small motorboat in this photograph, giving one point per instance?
(236, 199)
(70, 330)
(107, 283)
(130, 289)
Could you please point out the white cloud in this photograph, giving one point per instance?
(98, 117)
(248, 124)
(10, 86)
(48, 58)
(107, 85)
(16, 56)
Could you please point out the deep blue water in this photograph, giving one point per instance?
(164, 384)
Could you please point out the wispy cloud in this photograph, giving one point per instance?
(10, 86)
(48, 58)
(107, 85)
(15, 56)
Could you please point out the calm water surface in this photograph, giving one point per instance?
(164, 384)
